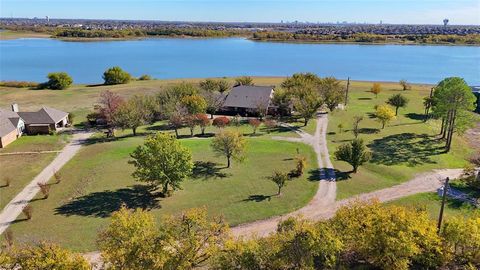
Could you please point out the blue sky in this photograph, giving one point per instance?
(389, 11)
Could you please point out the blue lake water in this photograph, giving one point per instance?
(32, 59)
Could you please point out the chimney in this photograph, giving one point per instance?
(14, 107)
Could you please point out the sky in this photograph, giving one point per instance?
(360, 11)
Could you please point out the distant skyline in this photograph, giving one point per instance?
(360, 11)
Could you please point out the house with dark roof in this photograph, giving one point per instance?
(14, 123)
(248, 100)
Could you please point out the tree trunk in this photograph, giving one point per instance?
(165, 189)
(383, 125)
(176, 132)
(228, 162)
(134, 130)
(279, 190)
(305, 122)
(478, 176)
(191, 132)
(451, 130)
(355, 169)
(211, 116)
(443, 124)
(396, 111)
(203, 130)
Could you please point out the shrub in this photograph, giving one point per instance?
(58, 81)
(376, 89)
(28, 211)
(301, 164)
(19, 84)
(145, 77)
(57, 176)
(270, 124)
(255, 123)
(116, 75)
(45, 189)
(221, 121)
(7, 180)
(8, 237)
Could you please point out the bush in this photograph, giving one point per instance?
(45, 189)
(255, 123)
(57, 176)
(145, 77)
(28, 211)
(7, 180)
(58, 81)
(221, 121)
(116, 75)
(19, 84)
(270, 124)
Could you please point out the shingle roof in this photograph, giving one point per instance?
(8, 122)
(45, 115)
(6, 125)
(249, 97)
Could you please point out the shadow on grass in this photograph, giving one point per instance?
(412, 149)
(364, 98)
(206, 170)
(328, 174)
(163, 127)
(342, 176)
(369, 130)
(415, 116)
(103, 204)
(257, 198)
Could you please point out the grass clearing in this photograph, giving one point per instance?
(23, 168)
(98, 180)
(405, 147)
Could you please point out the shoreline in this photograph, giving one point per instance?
(12, 35)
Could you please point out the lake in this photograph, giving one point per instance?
(32, 59)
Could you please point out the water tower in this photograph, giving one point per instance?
(445, 22)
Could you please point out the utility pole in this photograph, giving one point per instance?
(346, 92)
(444, 198)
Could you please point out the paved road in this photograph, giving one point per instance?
(14, 208)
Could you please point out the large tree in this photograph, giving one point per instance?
(116, 75)
(453, 101)
(194, 104)
(137, 111)
(162, 161)
(245, 80)
(306, 103)
(354, 153)
(397, 101)
(169, 99)
(229, 144)
(332, 92)
(211, 85)
(108, 104)
(58, 81)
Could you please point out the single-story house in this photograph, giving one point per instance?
(14, 123)
(246, 100)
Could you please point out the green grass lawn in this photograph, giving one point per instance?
(431, 202)
(23, 168)
(405, 147)
(98, 180)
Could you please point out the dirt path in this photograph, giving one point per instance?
(327, 189)
(14, 208)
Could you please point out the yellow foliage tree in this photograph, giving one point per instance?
(131, 241)
(389, 237)
(376, 89)
(462, 239)
(42, 256)
(384, 114)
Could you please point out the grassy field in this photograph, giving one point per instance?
(406, 146)
(431, 202)
(23, 168)
(5, 35)
(98, 180)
